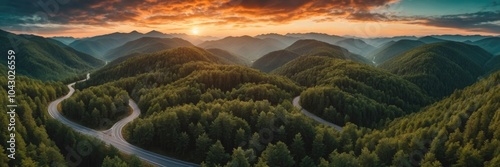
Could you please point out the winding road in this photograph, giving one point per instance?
(296, 101)
(113, 136)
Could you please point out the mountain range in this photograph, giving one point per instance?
(268, 100)
(46, 59)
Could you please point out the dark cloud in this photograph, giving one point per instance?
(16, 14)
(96, 12)
(480, 21)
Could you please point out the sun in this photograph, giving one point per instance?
(195, 31)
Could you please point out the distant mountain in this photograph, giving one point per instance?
(392, 49)
(465, 122)
(378, 42)
(64, 40)
(273, 60)
(307, 47)
(145, 45)
(491, 45)
(440, 68)
(249, 47)
(46, 59)
(493, 64)
(98, 46)
(429, 39)
(194, 39)
(287, 40)
(229, 58)
(460, 38)
(331, 39)
(356, 46)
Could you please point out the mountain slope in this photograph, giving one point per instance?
(273, 60)
(249, 47)
(392, 49)
(306, 47)
(145, 45)
(491, 45)
(461, 130)
(46, 59)
(331, 39)
(287, 40)
(440, 68)
(64, 40)
(343, 91)
(356, 46)
(229, 58)
(493, 64)
(98, 46)
(430, 39)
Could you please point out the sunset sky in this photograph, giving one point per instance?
(363, 18)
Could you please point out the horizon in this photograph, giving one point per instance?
(363, 19)
(284, 34)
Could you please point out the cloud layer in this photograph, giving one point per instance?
(66, 14)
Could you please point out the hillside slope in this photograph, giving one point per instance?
(249, 47)
(391, 50)
(307, 47)
(98, 46)
(440, 68)
(46, 59)
(491, 45)
(343, 91)
(461, 130)
(229, 57)
(356, 46)
(145, 45)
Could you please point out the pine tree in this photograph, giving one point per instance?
(238, 159)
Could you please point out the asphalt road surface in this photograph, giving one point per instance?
(114, 136)
(296, 101)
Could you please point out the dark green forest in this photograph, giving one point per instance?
(46, 59)
(307, 47)
(97, 107)
(219, 115)
(440, 68)
(433, 105)
(43, 141)
(343, 91)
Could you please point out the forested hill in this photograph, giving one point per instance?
(46, 59)
(249, 47)
(145, 45)
(43, 141)
(167, 61)
(343, 91)
(440, 68)
(393, 49)
(461, 130)
(192, 101)
(307, 47)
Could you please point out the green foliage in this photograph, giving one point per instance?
(33, 145)
(113, 162)
(51, 59)
(440, 68)
(277, 155)
(351, 92)
(97, 107)
(276, 59)
(238, 159)
(460, 130)
(145, 45)
(393, 49)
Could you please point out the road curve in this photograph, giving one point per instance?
(113, 136)
(296, 103)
